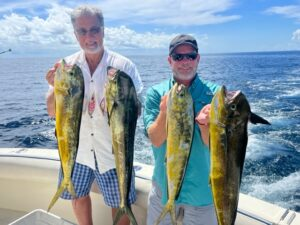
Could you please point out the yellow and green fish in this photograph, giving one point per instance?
(180, 129)
(123, 108)
(69, 94)
(229, 116)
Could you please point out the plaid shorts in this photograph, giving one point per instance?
(83, 177)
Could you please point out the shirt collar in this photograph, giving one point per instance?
(82, 60)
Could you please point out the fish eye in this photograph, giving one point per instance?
(233, 107)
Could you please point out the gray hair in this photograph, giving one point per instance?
(87, 10)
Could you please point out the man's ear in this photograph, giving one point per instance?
(169, 60)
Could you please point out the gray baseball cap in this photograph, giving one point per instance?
(183, 39)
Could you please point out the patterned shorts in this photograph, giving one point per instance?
(83, 177)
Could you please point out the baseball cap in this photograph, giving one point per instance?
(183, 39)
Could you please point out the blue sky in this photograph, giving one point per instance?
(146, 27)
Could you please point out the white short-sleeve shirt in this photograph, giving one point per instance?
(95, 134)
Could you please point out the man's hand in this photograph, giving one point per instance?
(50, 100)
(202, 120)
(203, 116)
(157, 131)
(51, 73)
(163, 104)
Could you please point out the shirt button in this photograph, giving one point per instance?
(92, 81)
(92, 150)
(91, 117)
(92, 134)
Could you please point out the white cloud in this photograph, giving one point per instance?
(55, 29)
(169, 12)
(125, 38)
(56, 32)
(296, 35)
(289, 11)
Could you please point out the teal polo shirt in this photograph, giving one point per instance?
(195, 188)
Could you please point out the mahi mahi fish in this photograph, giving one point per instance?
(229, 116)
(69, 94)
(123, 108)
(180, 129)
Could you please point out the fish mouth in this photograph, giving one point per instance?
(231, 95)
(180, 88)
(111, 72)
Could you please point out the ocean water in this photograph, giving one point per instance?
(271, 82)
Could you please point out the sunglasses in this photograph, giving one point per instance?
(189, 56)
(92, 31)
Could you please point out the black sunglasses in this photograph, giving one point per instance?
(189, 56)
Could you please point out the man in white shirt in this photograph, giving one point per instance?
(94, 158)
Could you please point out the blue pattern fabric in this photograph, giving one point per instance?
(83, 177)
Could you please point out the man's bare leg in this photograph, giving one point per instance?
(82, 208)
(124, 219)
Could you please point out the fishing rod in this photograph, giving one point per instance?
(9, 50)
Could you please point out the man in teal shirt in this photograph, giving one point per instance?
(195, 197)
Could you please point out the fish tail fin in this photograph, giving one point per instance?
(71, 190)
(257, 119)
(173, 215)
(168, 208)
(118, 215)
(60, 190)
(125, 210)
(130, 215)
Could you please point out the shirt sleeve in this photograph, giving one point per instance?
(151, 108)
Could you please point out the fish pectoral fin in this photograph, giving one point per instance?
(110, 111)
(257, 119)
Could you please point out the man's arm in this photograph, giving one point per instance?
(157, 130)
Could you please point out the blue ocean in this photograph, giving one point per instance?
(270, 80)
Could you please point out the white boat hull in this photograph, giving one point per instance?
(28, 181)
